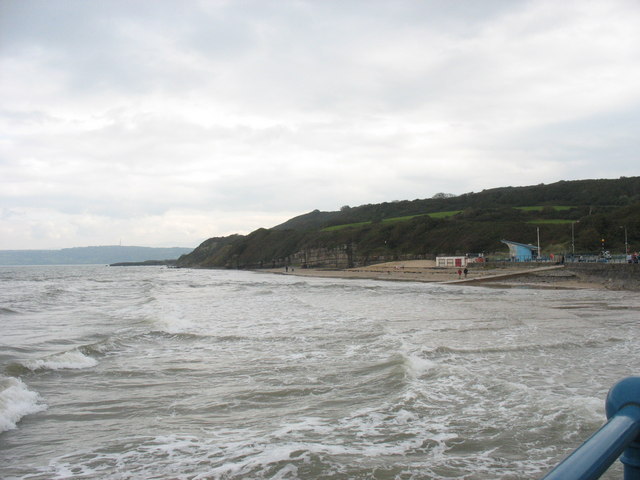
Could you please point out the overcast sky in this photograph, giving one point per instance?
(164, 123)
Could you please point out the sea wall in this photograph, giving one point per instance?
(616, 276)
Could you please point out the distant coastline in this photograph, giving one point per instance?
(107, 255)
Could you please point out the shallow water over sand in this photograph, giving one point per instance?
(161, 373)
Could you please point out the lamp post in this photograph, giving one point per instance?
(626, 244)
(573, 239)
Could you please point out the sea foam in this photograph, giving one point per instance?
(73, 359)
(16, 401)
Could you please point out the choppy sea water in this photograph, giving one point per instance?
(156, 373)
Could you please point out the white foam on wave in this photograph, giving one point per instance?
(175, 325)
(180, 456)
(289, 452)
(73, 360)
(417, 366)
(172, 318)
(16, 401)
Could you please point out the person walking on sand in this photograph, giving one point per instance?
(466, 271)
(459, 274)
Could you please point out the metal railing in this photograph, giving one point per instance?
(620, 435)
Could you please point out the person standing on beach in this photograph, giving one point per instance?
(466, 271)
(459, 274)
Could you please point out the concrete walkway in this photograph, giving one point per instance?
(503, 276)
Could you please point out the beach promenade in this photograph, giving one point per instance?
(498, 275)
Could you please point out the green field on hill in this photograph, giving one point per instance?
(539, 208)
(553, 221)
(450, 213)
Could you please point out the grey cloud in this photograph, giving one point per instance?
(129, 109)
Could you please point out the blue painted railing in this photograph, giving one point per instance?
(620, 435)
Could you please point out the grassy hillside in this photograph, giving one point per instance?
(468, 223)
(564, 194)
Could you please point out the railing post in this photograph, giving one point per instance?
(626, 392)
(620, 435)
(631, 460)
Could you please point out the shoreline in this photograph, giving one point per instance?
(503, 276)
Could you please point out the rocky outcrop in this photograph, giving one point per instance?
(338, 257)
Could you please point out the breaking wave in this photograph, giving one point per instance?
(16, 401)
(72, 360)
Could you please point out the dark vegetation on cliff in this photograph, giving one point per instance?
(443, 224)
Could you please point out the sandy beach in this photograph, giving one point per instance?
(503, 275)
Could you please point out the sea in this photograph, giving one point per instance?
(162, 373)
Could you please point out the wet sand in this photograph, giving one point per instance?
(505, 276)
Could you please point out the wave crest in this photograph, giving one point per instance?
(71, 360)
(16, 401)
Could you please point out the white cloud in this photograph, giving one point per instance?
(36, 228)
(177, 122)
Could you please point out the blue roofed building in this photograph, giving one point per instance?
(521, 252)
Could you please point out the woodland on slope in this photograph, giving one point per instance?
(569, 215)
